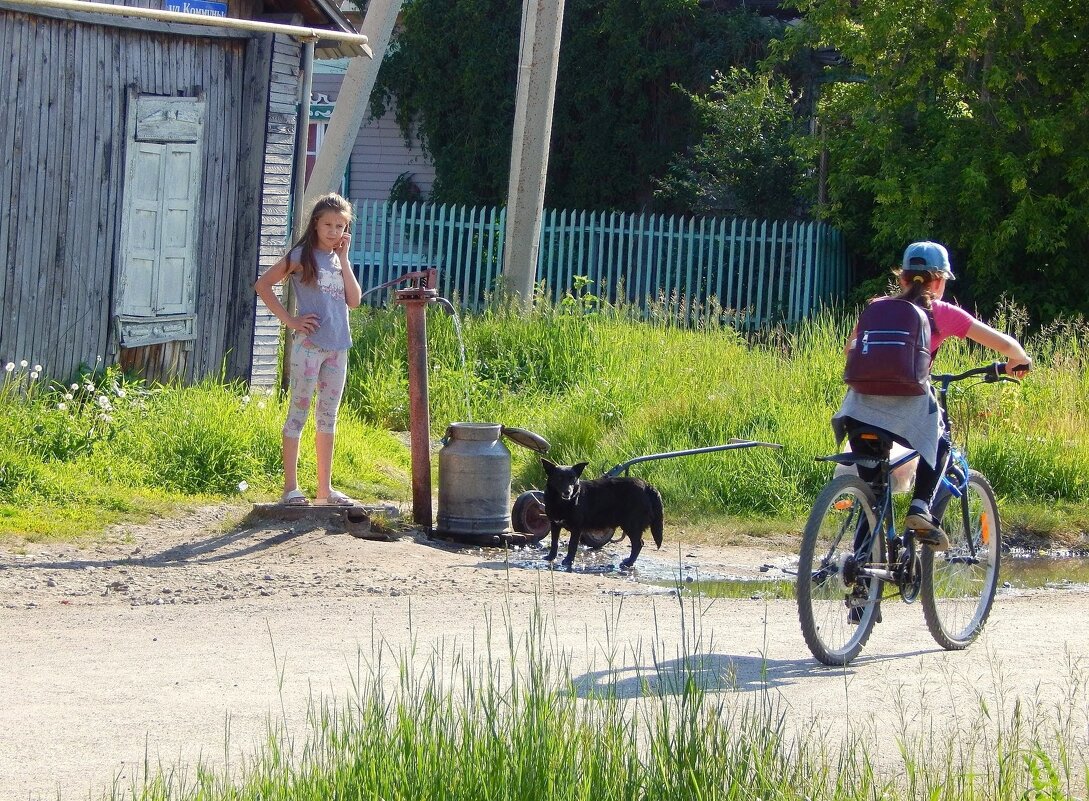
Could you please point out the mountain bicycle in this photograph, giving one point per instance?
(851, 548)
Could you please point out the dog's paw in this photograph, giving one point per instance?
(627, 564)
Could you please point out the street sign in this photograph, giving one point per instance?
(205, 8)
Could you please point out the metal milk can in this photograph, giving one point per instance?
(474, 478)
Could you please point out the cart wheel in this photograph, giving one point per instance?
(528, 515)
(597, 537)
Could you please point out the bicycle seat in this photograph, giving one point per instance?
(878, 435)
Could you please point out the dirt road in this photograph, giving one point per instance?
(147, 646)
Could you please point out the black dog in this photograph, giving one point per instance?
(631, 504)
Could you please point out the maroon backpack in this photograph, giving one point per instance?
(891, 353)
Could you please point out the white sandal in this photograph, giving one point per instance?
(335, 499)
(294, 498)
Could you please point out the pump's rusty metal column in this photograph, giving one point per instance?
(415, 300)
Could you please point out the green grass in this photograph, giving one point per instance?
(511, 719)
(602, 388)
(600, 385)
(76, 458)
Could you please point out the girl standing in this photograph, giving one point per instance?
(325, 288)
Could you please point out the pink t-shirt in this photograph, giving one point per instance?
(951, 321)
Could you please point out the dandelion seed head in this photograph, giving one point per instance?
(74, 387)
(243, 486)
(120, 392)
(33, 373)
(68, 396)
(23, 363)
(62, 406)
(9, 366)
(37, 368)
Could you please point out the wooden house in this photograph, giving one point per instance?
(381, 159)
(145, 179)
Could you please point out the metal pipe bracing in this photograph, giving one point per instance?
(297, 31)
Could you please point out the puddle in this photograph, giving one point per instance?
(1056, 570)
(1020, 570)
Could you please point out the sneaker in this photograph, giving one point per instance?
(927, 532)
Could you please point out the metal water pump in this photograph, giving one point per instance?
(421, 291)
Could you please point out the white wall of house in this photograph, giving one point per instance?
(380, 154)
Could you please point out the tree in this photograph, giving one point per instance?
(618, 120)
(747, 163)
(970, 128)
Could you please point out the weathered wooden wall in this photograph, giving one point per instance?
(275, 199)
(62, 157)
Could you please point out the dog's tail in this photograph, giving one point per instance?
(657, 515)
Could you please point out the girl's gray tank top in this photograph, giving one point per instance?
(325, 298)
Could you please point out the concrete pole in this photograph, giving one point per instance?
(352, 102)
(538, 60)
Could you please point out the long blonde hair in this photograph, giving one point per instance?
(308, 241)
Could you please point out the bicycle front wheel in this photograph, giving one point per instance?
(837, 604)
(959, 584)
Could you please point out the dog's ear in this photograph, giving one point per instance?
(578, 468)
(548, 466)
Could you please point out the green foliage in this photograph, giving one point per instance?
(969, 128)
(617, 119)
(747, 163)
(603, 387)
(76, 458)
(598, 383)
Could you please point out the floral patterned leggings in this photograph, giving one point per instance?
(315, 369)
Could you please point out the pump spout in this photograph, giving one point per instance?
(446, 305)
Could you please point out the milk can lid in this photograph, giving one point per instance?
(527, 439)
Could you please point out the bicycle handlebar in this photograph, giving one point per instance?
(991, 373)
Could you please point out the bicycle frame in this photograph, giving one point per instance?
(841, 556)
(956, 463)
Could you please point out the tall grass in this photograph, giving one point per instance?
(514, 721)
(601, 385)
(75, 457)
(604, 387)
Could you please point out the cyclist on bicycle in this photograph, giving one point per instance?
(916, 420)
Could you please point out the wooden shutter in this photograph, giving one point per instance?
(157, 278)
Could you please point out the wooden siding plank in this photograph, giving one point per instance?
(33, 177)
(11, 31)
(246, 241)
(60, 157)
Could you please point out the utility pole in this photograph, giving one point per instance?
(538, 60)
(352, 102)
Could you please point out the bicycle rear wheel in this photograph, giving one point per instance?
(837, 607)
(959, 584)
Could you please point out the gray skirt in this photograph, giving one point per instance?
(915, 418)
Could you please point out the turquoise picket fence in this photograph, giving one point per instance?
(757, 271)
